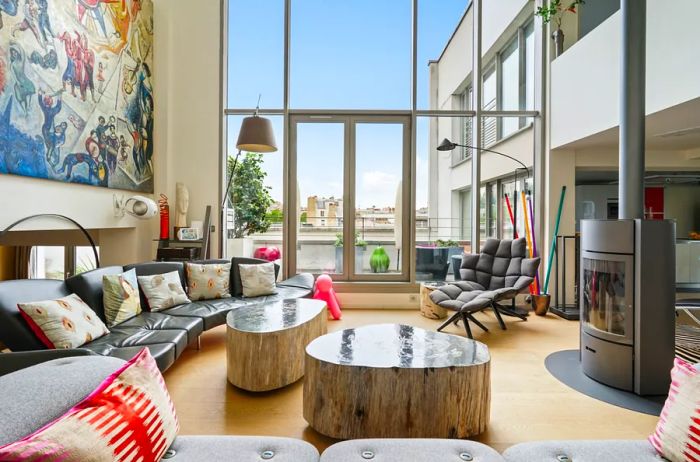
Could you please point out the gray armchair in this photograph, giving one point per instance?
(500, 272)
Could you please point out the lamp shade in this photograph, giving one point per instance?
(256, 135)
(446, 145)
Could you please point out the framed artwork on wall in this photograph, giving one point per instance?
(76, 91)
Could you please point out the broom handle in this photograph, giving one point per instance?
(554, 240)
(510, 212)
(534, 243)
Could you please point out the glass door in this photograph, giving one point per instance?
(346, 191)
(318, 192)
(380, 156)
(607, 296)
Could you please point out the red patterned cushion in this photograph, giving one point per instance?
(128, 417)
(677, 435)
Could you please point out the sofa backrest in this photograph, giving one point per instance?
(501, 263)
(236, 285)
(37, 395)
(88, 286)
(159, 267)
(14, 330)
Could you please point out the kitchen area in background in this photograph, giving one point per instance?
(668, 195)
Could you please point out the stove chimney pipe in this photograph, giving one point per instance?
(632, 108)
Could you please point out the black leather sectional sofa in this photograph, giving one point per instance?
(166, 333)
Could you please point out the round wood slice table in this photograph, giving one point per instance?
(265, 342)
(397, 381)
(427, 308)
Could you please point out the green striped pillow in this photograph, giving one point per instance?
(120, 297)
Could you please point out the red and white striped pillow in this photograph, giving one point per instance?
(129, 417)
(677, 435)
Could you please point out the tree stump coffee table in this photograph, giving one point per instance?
(429, 309)
(396, 381)
(265, 342)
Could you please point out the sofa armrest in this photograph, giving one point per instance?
(300, 281)
(14, 361)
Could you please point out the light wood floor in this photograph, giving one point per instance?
(527, 402)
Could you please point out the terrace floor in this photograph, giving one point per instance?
(527, 402)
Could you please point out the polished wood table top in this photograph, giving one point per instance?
(397, 345)
(274, 316)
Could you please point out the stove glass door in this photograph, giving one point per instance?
(606, 282)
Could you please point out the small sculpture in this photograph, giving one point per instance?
(182, 203)
(379, 261)
(164, 217)
(324, 291)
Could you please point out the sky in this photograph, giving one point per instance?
(345, 54)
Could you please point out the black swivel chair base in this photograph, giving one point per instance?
(511, 311)
(465, 317)
(498, 309)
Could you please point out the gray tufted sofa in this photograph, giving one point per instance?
(500, 272)
(40, 391)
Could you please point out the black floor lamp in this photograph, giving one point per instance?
(256, 135)
(60, 217)
(448, 145)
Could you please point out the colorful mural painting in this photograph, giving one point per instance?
(76, 93)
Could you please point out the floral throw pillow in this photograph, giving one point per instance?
(130, 416)
(63, 323)
(163, 291)
(257, 279)
(120, 293)
(208, 282)
(677, 433)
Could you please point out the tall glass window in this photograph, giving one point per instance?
(351, 100)
(529, 66)
(510, 86)
(489, 127)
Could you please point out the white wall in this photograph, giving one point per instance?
(188, 46)
(586, 78)
(497, 18)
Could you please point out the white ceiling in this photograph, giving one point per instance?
(674, 129)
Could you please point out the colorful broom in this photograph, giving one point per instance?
(554, 240)
(534, 244)
(527, 233)
(510, 212)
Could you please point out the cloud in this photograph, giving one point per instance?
(378, 180)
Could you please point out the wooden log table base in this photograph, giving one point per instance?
(265, 342)
(429, 309)
(396, 381)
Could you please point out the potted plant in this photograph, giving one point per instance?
(379, 261)
(553, 10)
(251, 200)
(360, 248)
(453, 249)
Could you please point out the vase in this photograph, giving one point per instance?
(540, 304)
(558, 37)
(379, 260)
(239, 247)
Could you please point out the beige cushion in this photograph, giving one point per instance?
(163, 291)
(63, 323)
(208, 282)
(120, 294)
(258, 279)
